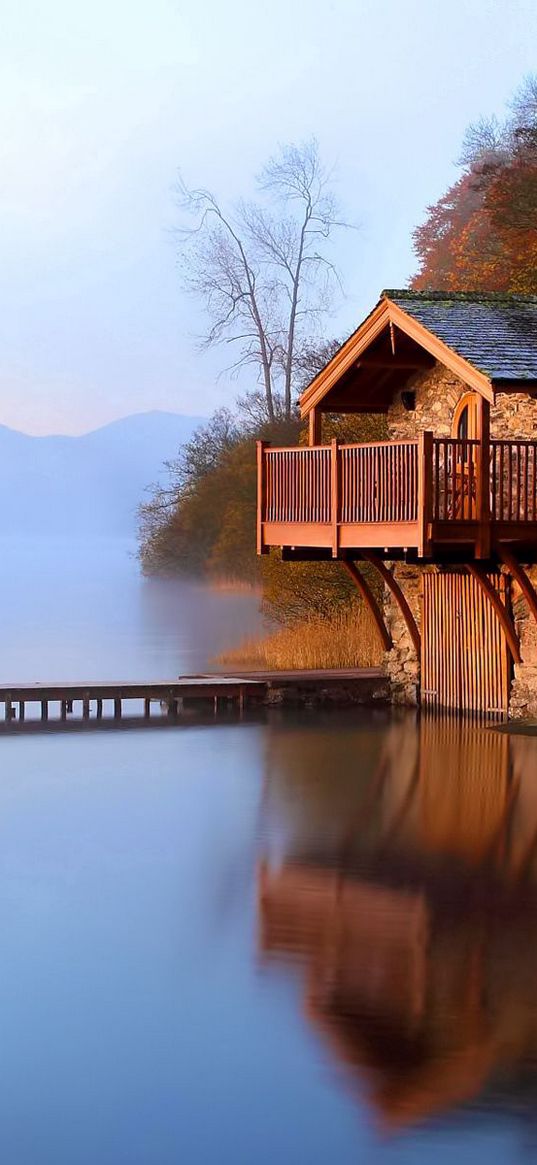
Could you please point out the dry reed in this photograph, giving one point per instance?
(348, 639)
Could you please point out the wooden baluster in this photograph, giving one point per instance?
(436, 480)
(483, 540)
(425, 492)
(334, 497)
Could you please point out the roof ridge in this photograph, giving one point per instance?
(461, 296)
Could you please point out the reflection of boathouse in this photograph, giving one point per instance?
(418, 932)
(450, 499)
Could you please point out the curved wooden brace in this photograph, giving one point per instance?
(398, 595)
(493, 597)
(518, 572)
(369, 598)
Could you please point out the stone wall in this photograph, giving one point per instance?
(401, 663)
(437, 393)
(524, 688)
(513, 415)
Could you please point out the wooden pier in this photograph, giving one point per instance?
(160, 700)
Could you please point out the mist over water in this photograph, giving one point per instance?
(311, 937)
(79, 609)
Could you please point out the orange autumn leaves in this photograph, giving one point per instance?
(482, 234)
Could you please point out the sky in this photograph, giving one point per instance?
(102, 103)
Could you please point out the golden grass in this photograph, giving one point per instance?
(348, 639)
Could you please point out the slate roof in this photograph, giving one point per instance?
(497, 334)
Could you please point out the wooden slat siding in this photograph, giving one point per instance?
(378, 482)
(465, 659)
(514, 481)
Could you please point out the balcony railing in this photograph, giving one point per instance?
(393, 493)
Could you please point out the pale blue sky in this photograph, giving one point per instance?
(101, 103)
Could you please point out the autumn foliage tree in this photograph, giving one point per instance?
(482, 234)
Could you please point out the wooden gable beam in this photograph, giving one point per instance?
(387, 313)
(369, 598)
(518, 573)
(399, 597)
(441, 351)
(480, 576)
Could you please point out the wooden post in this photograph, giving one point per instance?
(86, 707)
(9, 708)
(425, 492)
(63, 710)
(147, 708)
(99, 709)
(261, 494)
(22, 710)
(315, 421)
(44, 709)
(117, 709)
(334, 499)
(483, 540)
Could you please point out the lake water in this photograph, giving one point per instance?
(306, 939)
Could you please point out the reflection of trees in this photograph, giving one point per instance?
(417, 928)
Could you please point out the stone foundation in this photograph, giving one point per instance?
(524, 688)
(401, 663)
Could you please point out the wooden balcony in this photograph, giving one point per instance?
(428, 498)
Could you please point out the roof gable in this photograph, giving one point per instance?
(484, 339)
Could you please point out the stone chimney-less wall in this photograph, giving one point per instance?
(437, 393)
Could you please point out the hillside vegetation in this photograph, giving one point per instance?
(480, 235)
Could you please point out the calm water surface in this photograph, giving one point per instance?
(306, 940)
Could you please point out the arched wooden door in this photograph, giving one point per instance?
(466, 418)
(465, 431)
(465, 661)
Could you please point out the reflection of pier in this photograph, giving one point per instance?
(418, 933)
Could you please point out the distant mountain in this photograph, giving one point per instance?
(90, 484)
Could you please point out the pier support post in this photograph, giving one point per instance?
(22, 710)
(117, 709)
(86, 707)
(99, 709)
(147, 708)
(44, 709)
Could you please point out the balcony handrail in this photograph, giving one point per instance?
(341, 445)
(429, 480)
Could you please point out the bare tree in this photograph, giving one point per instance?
(263, 271)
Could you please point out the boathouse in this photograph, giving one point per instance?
(445, 511)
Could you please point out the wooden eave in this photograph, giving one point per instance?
(385, 313)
